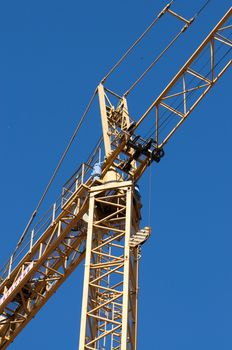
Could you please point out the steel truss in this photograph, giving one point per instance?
(109, 308)
(194, 80)
(48, 262)
(43, 262)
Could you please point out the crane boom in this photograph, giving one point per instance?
(181, 86)
(108, 208)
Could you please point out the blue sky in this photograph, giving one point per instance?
(53, 55)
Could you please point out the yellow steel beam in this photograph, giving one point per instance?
(181, 76)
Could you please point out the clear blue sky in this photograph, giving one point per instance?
(53, 54)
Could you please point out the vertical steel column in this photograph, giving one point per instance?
(86, 273)
(126, 271)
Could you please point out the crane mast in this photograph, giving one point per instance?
(97, 217)
(109, 308)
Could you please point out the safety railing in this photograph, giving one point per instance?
(78, 179)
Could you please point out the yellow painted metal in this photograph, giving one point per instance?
(58, 244)
(109, 306)
(48, 262)
(203, 83)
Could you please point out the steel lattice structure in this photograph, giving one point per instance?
(98, 217)
(111, 270)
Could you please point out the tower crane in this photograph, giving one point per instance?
(97, 216)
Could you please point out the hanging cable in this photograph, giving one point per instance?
(149, 196)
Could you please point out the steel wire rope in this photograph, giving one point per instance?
(149, 196)
(202, 8)
(152, 64)
(166, 111)
(160, 55)
(85, 113)
(165, 49)
(137, 41)
(150, 173)
(170, 44)
(89, 161)
(176, 98)
(80, 123)
(193, 92)
(190, 94)
(200, 57)
(55, 172)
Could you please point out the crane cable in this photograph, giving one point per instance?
(202, 8)
(143, 35)
(153, 129)
(166, 49)
(84, 115)
(55, 172)
(137, 41)
(153, 63)
(149, 196)
(166, 121)
(195, 16)
(80, 123)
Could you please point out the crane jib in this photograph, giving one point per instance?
(21, 278)
(108, 206)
